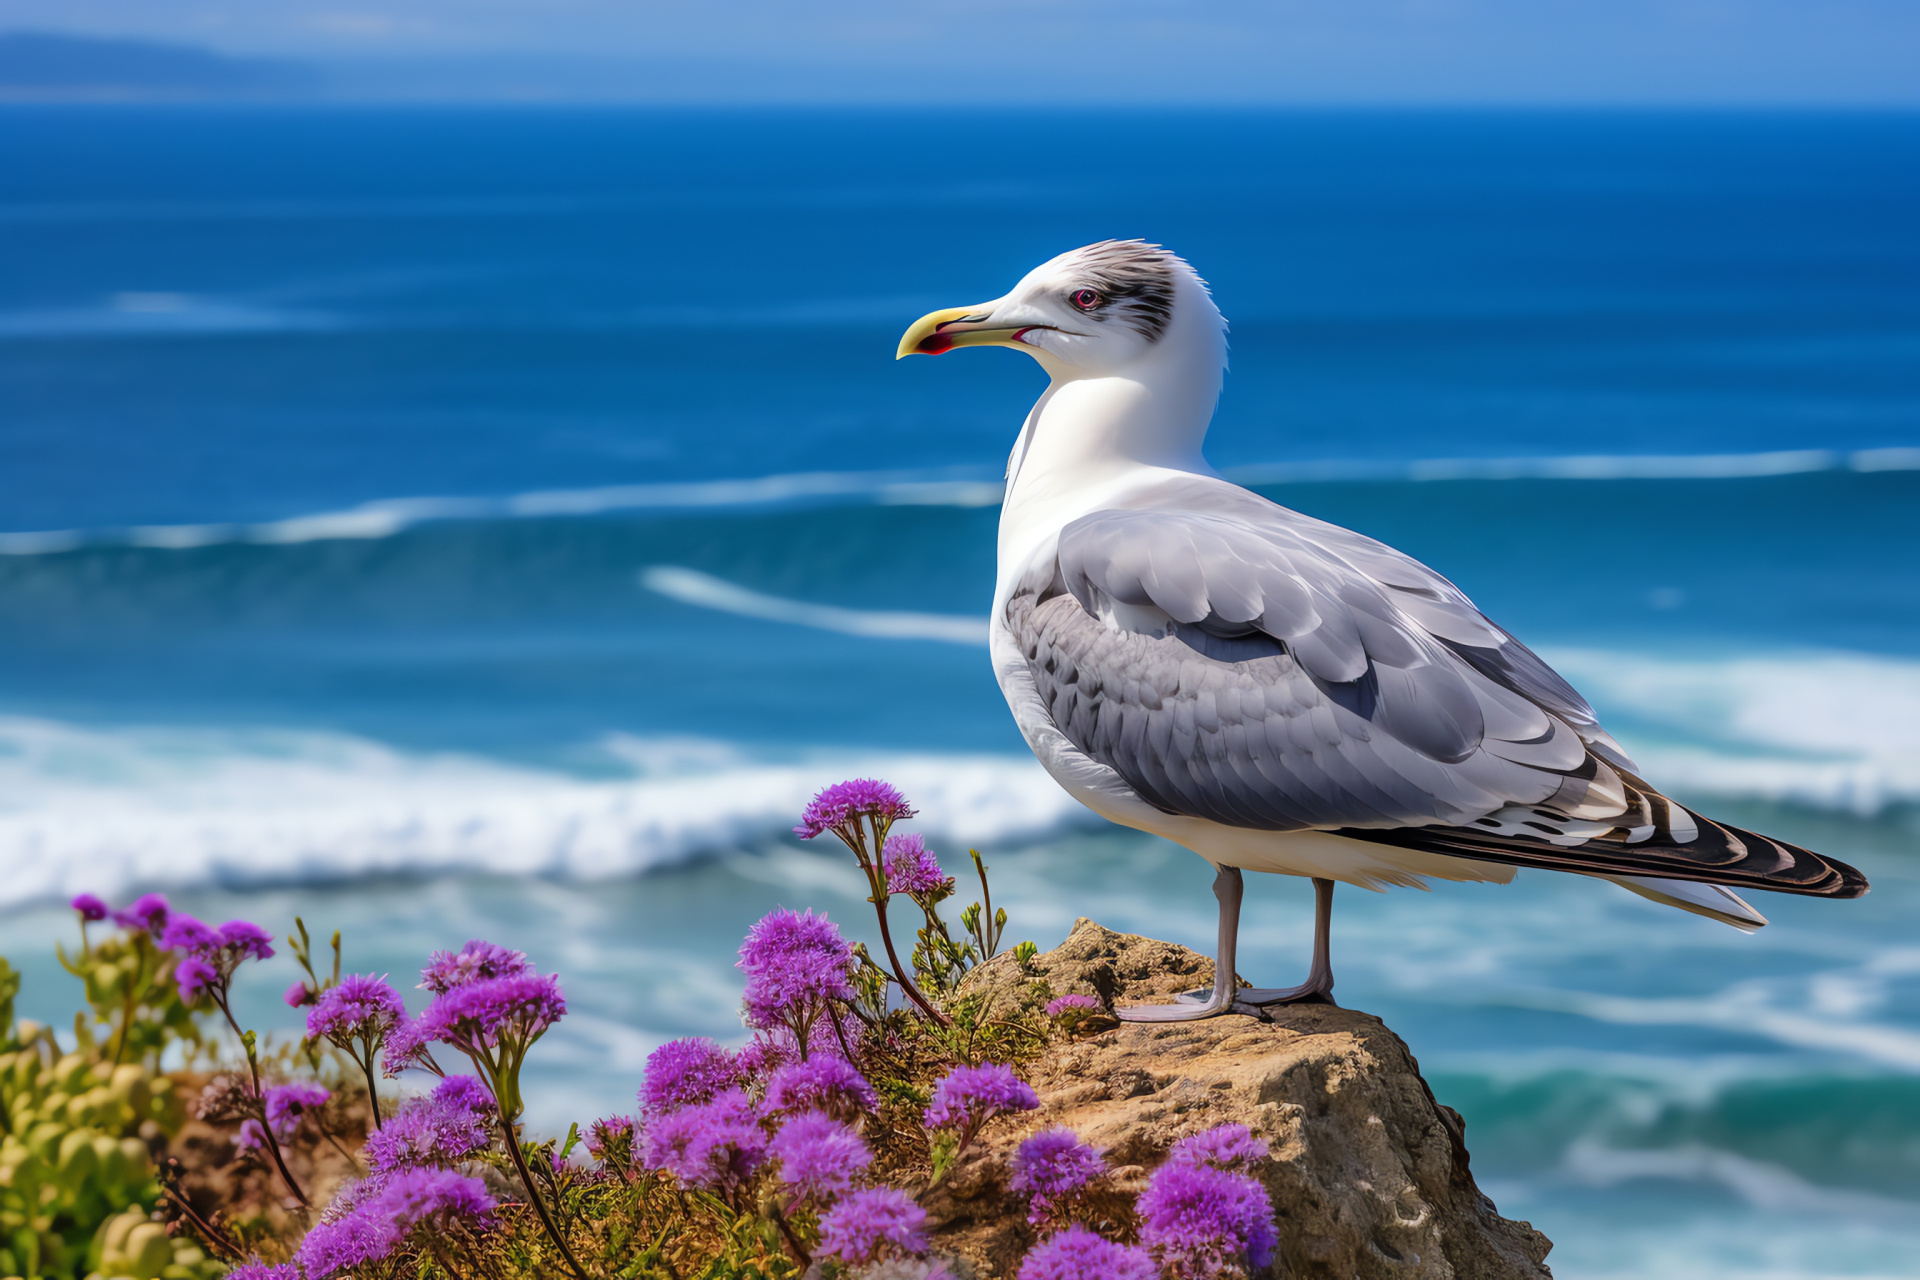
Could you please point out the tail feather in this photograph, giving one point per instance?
(1716, 854)
(1716, 902)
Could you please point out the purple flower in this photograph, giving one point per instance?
(1077, 1253)
(494, 1021)
(970, 1096)
(443, 1128)
(911, 868)
(286, 1103)
(767, 1052)
(254, 1269)
(474, 962)
(369, 1220)
(298, 995)
(1053, 1167)
(1071, 1004)
(432, 1198)
(1202, 1222)
(361, 1008)
(91, 909)
(845, 803)
(682, 1073)
(148, 912)
(210, 955)
(820, 1083)
(193, 976)
(611, 1139)
(712, 1144)
(819, 1157)
(246, 941)
(184, 933)
(465, 1093)
(483, 1013)
(1231, 1147)
(407, 1047)
(858, 1228)
(796, 963)
(251, 1136)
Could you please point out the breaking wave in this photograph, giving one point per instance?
(385, 517)
(105, 811)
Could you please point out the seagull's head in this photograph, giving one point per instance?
(1100, 310)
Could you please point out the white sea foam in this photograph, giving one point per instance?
(1831, 730)
(103, 809)
(106, 810)
(690, 586)
(387, 516)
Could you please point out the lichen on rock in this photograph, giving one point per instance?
(1369, 1174)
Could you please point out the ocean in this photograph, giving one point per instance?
(449, 523)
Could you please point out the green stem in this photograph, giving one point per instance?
(260, 1096)
(539, 1205)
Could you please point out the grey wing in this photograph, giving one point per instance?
(1239, 662)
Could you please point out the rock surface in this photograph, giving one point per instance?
(1369, 1174)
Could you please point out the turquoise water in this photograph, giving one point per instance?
(338, 447)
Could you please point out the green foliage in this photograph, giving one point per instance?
(131, 1246)
(137, 1011)
(72, 1159)
(77, 1178)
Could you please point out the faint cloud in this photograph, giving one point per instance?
(344, 23)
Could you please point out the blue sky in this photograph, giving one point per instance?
(1061, 51)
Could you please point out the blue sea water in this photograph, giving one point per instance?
(497, 522)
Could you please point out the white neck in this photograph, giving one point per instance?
(1091, 432)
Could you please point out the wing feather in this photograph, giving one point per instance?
(1239, 662)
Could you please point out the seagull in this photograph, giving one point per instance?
(1271, 691)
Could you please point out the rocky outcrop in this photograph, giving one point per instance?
(1369, 1175)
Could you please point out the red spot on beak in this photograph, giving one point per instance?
(934, 344)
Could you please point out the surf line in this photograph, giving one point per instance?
(704, 591)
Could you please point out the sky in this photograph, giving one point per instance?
(1729, 52)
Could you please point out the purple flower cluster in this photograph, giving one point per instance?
(146, 913)
(970, 1096)
(821, 1083)
(254, 1269)
(362, 1008)
(491, 1006)
(1071, 1004)
(92, 910)
(843, 804)
(1052, 1168)
(487, 1012)
(1229, 1147)
(208, 955)
(477, 960)
(866, 1223)
(715, 1144)
(796, 964)
(406, 1047)
(912, 870)
(684, 1073)
(368, 1221)
(285, 1105)
(1077, 1253)
(1202, 1222)
(819, 1156)
(449, 1125)
(611, 1139)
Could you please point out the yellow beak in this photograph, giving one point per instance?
(938, 332)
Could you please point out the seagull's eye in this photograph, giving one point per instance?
(1086, 299)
